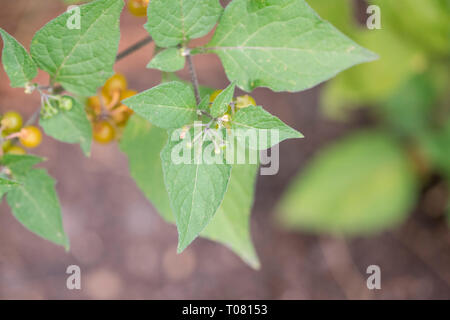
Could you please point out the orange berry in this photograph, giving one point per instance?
(30, 137)
(116, 83)
(103, 132)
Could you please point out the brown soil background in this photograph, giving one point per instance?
(126, 251)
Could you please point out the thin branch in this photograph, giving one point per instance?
(134, 48)
(194, 78)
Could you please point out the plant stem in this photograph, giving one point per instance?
(134, 48)
(194, 78)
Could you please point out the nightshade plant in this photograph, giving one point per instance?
(280, 44)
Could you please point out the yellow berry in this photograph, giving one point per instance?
(244, 101)
(30, 137)
(214, 95)
(16, 150)
(11, 121)
(116, 83)
(103, 132)
(138, 8)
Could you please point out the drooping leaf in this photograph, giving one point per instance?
(70, 126)
(169, 60)
(142, 142)
(281, 44)
(361, 185)
(35, 204)
(196, 188)
(171, 22)
(81, 60)
(231, 223)
(16, 61)
(261, 129)
(169, 105)
(220, 104)
(19, 164)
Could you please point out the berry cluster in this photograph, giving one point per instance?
(12, 131)
(106, 112)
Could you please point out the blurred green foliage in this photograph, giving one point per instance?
(370, 181)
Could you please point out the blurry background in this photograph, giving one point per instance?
(126, 251)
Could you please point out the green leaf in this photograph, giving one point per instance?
(6, 185)
(231, 223)
(81, 60)
(204, 104)
(266, 129)
(283, 45)
(361, 185)
(142, 142)
(169, 105)
(196, 189)
(70, 126)
(220, 104)
(35, 204)
(16, 61)
(171, 22)
(409, 109)
(169, 60)
(19, 164)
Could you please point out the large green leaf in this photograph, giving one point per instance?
(281, 44)
(142, 143)
(80, 59)
(255, 122)
(169, 105)
(16, 61)
(35, 204)
(361, 185)
(171, 22)
(196, 188)
(70, 126)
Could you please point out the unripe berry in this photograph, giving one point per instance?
(11, 121)
(66, 103)
(244, 101)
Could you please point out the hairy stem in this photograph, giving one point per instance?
(194, 78)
